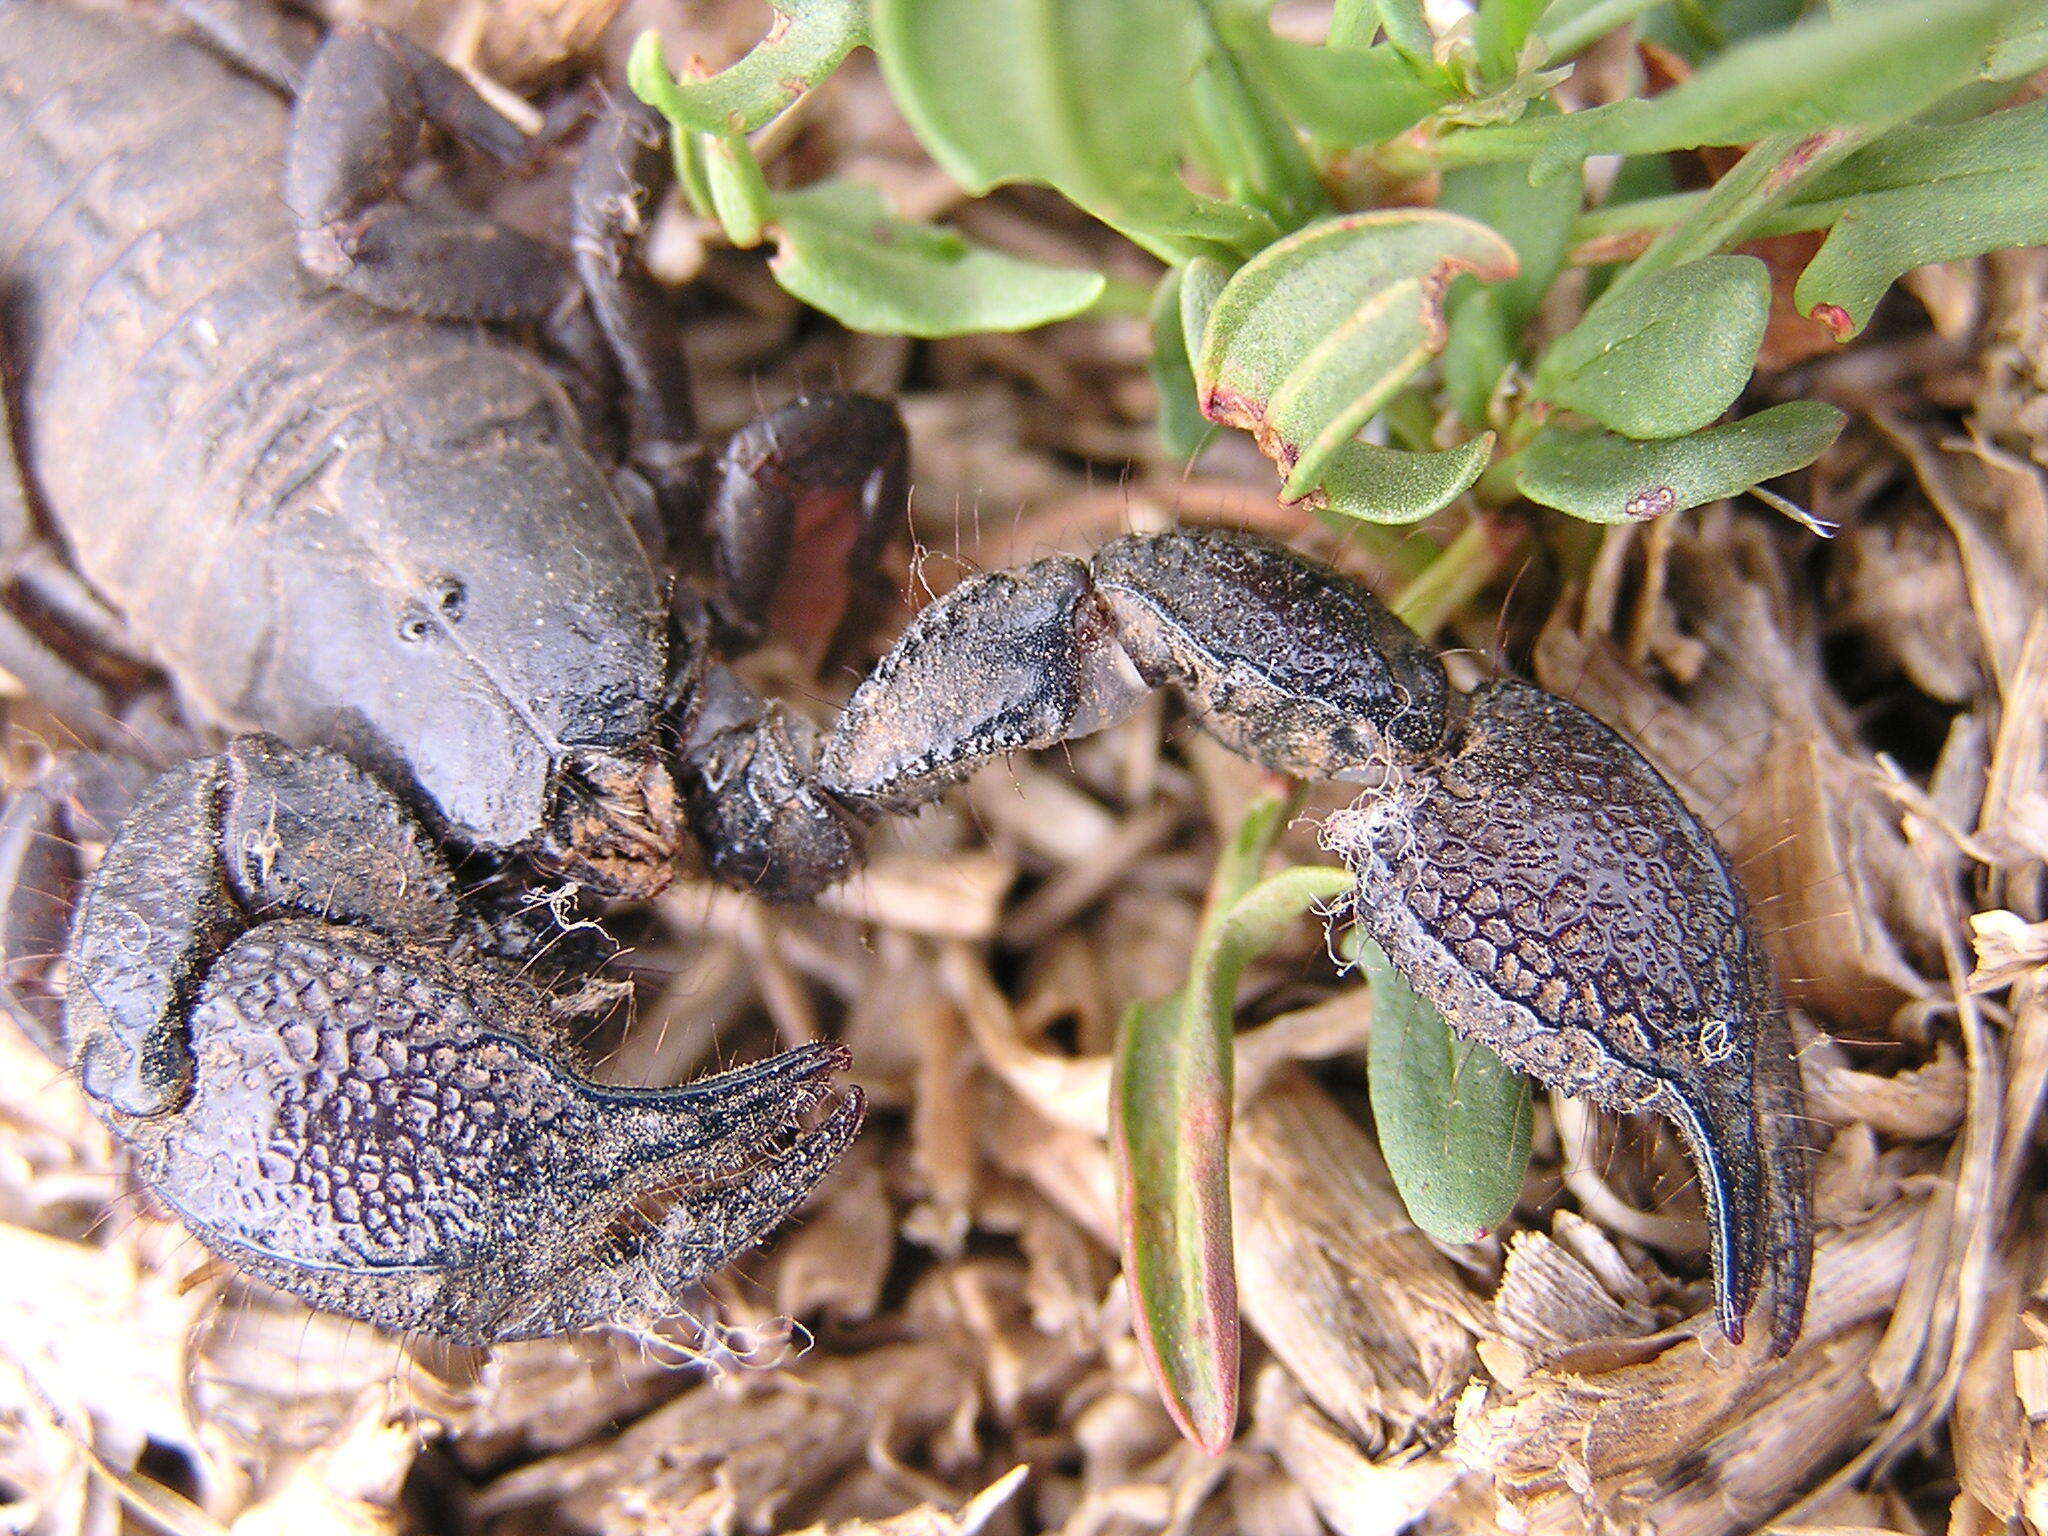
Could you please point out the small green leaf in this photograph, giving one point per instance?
(1252, 148)
(1453, 1118)
(739, 192)
(1202, 283)
(1408, 29)
(1310, 339)
(1668, 356)
(1498, 32)
(1537, 221)
(1348, 97)
(810, 40)
(1922, 195)
(1351, 97)
(1878, 64)
(839, 249)
(1182, 426)
(1170, 1114)
(1477, 353)
(1170, 1135)
(1392, 485)
(1608, 479)
(1087, 98)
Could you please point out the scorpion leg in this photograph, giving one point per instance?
(802, 498)
(802, 501)
(356, 128)
(255, 35)
(641, 338)
(267, 1002)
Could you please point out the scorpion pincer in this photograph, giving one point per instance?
(387, 543)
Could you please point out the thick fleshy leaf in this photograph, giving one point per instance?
(1247, 143)
(1407, 28)
(1170, 1115)
(1876, 64)
(1922, 195)
(1202, 283)
(1607, 479)
(1311, 337)
(1498, 32)
(1348, 96)
(1182, 426)
(839, 249)
(809, 40)
(1668, 356)
(1453, 1118)
(1170, 1133)
(1088, 98)
(1393, 485)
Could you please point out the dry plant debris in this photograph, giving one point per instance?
(943, 1344)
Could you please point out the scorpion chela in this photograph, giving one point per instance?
(412, 570)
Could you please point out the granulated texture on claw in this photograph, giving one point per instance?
(395, 1138)
(1547, 889)
(1286, 663)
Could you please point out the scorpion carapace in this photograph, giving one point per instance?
(389, 542)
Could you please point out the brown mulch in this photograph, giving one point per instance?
(942, 1344)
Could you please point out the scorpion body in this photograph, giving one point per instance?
(278, 486)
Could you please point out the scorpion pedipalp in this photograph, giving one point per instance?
(1528, 871)
(389, 1134)
(283, 1012)
(1543, 886)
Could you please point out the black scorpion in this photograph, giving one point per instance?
(266, 455)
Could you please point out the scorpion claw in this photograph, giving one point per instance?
(1548, 891)
(384, 1133)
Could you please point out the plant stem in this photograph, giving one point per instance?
(1761, 181)
(1639, 213)
(1458, 575)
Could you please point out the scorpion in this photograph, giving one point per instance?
(406, 567)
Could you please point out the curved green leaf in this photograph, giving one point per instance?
(1922, 195)
(1392, 485)
(1352, 97)
(1090, 99)
(1310, 338)
(839, 249)
(1453, 1118)
(1668, 356)
(1170, 1114)
(1607, 479)
(1879, 63)
(809, 40)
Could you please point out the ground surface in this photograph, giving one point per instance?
(943, 1343)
